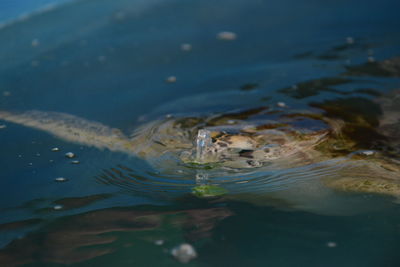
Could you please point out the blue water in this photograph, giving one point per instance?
(16, 9)
(107, 61)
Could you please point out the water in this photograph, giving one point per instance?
(203, 142)
(127, 198)
(18, 10)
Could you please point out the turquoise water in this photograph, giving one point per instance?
(108, 61)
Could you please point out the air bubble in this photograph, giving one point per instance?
(171, 79)
(350, 40)
(60, 179)
(281, 104)
(35, 42)
(159, 242)
(331, 244)
(226, 36)
(58, 207)
(184, 253)
(70, 155)
(186, 47)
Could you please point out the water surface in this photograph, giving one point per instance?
(108, 61)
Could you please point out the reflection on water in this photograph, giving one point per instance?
(144, 235)
(385, 68)
(244, 128)
(98, 233)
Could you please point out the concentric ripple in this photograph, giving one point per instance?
(254, 181)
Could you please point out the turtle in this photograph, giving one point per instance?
(247, 142)
(236, 140)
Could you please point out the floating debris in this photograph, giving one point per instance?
(184, 253)
(2, 126)
(75, 162)
(30, 163)
(37, 154)
(58, 207)
(171, 79)
(6, 93)
(35, 42)
(70, 155)
(331, 244)
(60, 179)
(169, 116)
(159, 242)
(226, 36)
(55, 149)
(281, 104)
(186, 47)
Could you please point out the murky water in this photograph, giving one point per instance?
(262, 133)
